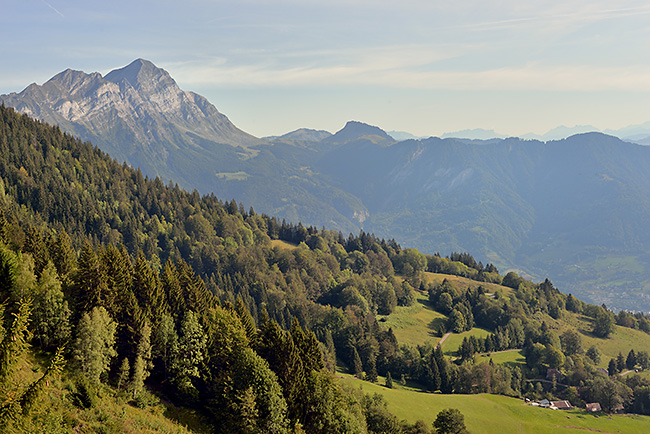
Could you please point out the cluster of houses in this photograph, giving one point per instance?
(554, 374)
(564, 405)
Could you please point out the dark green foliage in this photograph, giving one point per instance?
(641, 403)
(609, 393)
(630, 361)
(83, 393)
(450, 421)
(8, 273)
(594, 354)
(571, 342)
(643, 359)
(612, 368)
(604, 323)
(378, 418)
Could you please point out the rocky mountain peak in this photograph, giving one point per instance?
(355, 130)
(137, 114)
(143, 76)
(72, 80)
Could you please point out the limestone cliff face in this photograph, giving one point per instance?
(137, 114)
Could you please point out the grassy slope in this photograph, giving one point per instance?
(452, 343)
(463, 282)
(416, 324)
(111, 413)
(622, 340)
(498, 414)
(508, 357)
(283, 245)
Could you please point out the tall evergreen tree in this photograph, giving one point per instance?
(51, 325)
(94, 346)
(630, 362)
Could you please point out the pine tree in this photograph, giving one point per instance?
(165, 341)
(620, 362)
(8, 274)
(247, 321)
(356, 363)
(434, 380)
(4, 224)
(63, 256)
(32, 394)
(35, 245)
(371, 372)
(612, 367)
(13, 343)
(443, 368)
(125, 371)
(91, 282)
(51, 325)
(191, 353)
(172, 288)
(148, 290)
(630, 362)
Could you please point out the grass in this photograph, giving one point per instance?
(452, 343)
(283, 245)
(416, 324)
(494, 414)
(510, 358)
(463, 283)
(621, 341)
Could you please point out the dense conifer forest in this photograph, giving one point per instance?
(112, 280)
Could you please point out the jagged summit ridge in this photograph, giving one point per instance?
(137, 114)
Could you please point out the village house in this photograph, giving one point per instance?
(561, 405)
(593, 407)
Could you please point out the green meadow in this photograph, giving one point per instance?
(494, 414)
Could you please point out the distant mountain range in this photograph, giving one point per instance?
(639, 134)
(575, 210)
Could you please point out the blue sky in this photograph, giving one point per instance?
(426, 67)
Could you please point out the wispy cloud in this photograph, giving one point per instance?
(411, 67)
(53, 8)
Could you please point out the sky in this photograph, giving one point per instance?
(425, 67)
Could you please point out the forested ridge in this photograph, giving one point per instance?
(132, 284)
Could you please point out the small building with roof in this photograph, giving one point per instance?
(593, 407)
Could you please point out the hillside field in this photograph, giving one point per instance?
(494, 414)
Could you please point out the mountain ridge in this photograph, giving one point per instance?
(548, 208)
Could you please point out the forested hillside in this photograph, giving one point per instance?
(111, 281)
